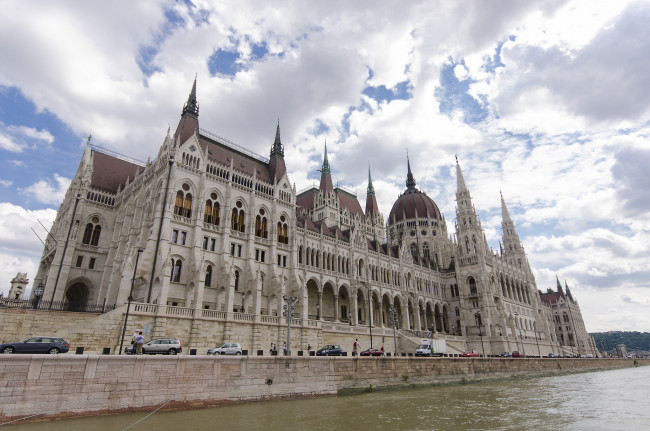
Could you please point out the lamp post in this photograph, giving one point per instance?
(38, 294)
(243, 299)
(523, 349)
(453, 330)
(393, 321)
(370, 314)
(128, 306)
(289, 312)
(477, 317)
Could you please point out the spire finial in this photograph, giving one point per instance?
(410, 181)
(371, 189)
(277, 150)
(460, 180)
(505, 216)
(326, 165)
(191, 106)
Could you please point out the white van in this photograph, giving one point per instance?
(431, 348)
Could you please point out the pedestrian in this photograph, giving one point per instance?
(309, 347)
(271, 350)
(284, 348)
(139, 341)
(275, 350)
(355, 347)
(382, 350)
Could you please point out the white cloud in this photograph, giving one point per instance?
(17, 138)
(47, 192)
(6, 183)
(20, 248)
(7, 143)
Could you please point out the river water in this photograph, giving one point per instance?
(603, 400)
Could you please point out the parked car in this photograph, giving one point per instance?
(568, 355)
(552, 355)
(372, 352)
(470, 353)
(518, 354)
(331, 350)
(226, 349)
(49, 345)
(505, 354)
(164, 346)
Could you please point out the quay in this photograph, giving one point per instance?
(54, 386)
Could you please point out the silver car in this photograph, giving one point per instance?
(226, 349)
(165, 346)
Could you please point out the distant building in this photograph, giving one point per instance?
(225, 235)
(18, 285)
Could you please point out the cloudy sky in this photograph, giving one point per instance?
(547, 101)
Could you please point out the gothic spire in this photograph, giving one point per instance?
(326, 185)
(559, 286)
(277, 150)
(371, 189)
(191, 107)
(326, 166)
(460, 180)
(410, 181)
(504, 210)
(277, 168)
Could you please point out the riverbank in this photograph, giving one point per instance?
(75, 385)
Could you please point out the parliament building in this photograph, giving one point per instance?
(209, 239)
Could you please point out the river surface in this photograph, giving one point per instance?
(602, 400)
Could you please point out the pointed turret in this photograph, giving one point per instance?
(514, 251)
(189, 123)
(371, 200)
(559, 286)
(460, 180)
(410, 181)
(277, 168)
(568, 291)
(505, 216)
(326, 185)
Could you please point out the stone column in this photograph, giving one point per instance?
(336, 308)
(319, 310)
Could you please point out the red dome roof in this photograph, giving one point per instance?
(413, 202)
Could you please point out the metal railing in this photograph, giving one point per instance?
(34, 304)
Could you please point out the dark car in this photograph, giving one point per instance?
(552, 355)
(372, 352)
(505, 355)
(517, 354)
(330, 350)
(165, 346)
(37, 345)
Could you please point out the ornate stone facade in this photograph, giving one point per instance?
(210, 229)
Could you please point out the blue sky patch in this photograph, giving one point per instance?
(453, 96)
(401, 91)
(224, 63)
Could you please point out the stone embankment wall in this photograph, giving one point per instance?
(76, 385)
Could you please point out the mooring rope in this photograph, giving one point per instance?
(140, 420)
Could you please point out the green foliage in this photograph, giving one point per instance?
(633, 340)
(405, 378)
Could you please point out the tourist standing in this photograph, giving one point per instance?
(355, 347)
(139, 341)
(284, 348)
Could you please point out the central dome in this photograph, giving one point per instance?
(413, 203)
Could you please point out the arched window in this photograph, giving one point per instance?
(425, 251)
(414, 250)
(238, 218)
(472, 285)
(474, 243)
(208, 276)
(211, 214)
(236, 280)
(183, 203)
(177, 266)
(261, 229)
(467, 244)
(92, 232)
(283, 236)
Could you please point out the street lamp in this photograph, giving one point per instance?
(243, 299)
(38, 294)
(453, 330)
(289, 312)
(523, 349)
(393, 321)
(477, 317)
(128, 306)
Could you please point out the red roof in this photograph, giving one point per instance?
(110, 173)
(411, 203)
(224, 154)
